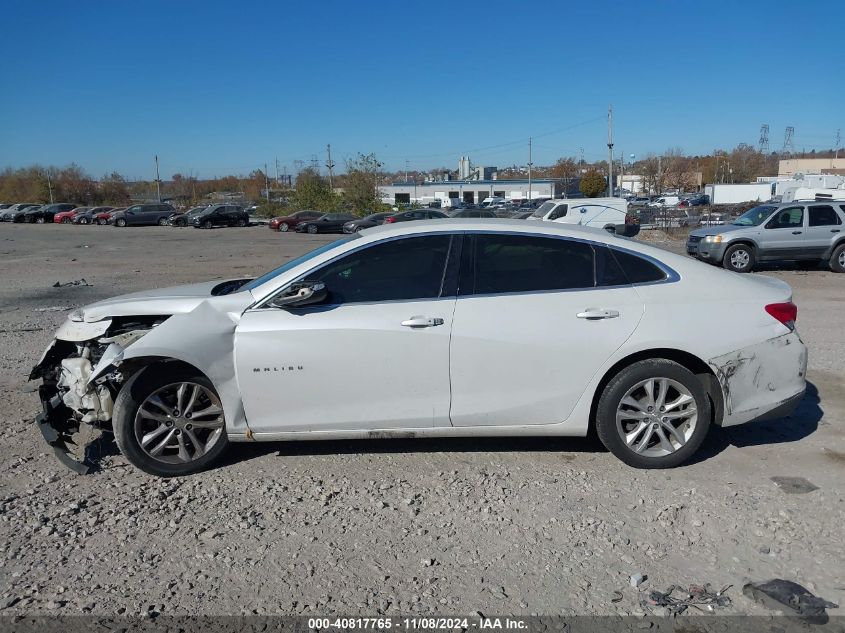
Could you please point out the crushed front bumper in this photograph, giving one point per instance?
(58, 428)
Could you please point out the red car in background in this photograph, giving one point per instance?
(103, 218)
(66, 217)
(288, 222)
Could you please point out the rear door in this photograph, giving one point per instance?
(823, 226)
(531, 327)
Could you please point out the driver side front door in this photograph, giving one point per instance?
(374, 355)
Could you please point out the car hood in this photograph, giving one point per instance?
(716, 230)
(162, 301)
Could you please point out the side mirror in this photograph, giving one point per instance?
(301, 294)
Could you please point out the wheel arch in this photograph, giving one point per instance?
(690, 361)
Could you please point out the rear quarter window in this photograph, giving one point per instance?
(637, 269)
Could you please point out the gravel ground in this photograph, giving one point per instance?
(392, 526)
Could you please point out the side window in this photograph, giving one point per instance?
(403, 269)
(524, 263)
(559, 212)
(788, 218)
(637, 270)
(823, 216)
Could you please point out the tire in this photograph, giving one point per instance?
(739, 258)
(312, 229)
(207, 224)
(66, 220)
(162, 221)
(284, 228)
(130, 427)
(837, 259)
(121, 222)
(102, 222)
(83, 220)
(241, 222)
(629, 386)
(39, 220)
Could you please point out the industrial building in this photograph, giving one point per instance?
(475, 191)
(791, 167)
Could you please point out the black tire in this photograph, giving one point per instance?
(66, 220)
(312, 229)
(40, 220)
(242, 222)
(102, 222)
(739, 258)
(837, 259)
(618, 387)
(121, 222)
(283, 227)
(207, 224)
(83, 220)
(162, 221)
(130, 398)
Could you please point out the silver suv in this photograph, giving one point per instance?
(800, 231)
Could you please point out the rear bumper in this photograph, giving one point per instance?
(762, 381)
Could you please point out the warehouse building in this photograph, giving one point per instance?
(792, 166)
(475, 191)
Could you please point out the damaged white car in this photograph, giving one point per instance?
(421, 329)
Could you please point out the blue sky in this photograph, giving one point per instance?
(219, 87)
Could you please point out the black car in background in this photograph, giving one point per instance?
(473, 213)
(182, 219)
(87, 217)
(142, 215)
(14, 212)
(367, 222)
(220, 215)
(416, 214)
(40, 215)
(328, 223)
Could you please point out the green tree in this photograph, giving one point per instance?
(312, 192)
(360, 186)
(593, 184)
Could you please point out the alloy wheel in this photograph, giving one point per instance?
(842, 259)
(284, 228)
(740, 258)
(656, 417)
(179, 422)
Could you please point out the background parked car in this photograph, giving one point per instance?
(87, 217)
(182, 219)
(66, 217)
(40, 215)
(220, 215)
(143, 215)
(14, 213)
(287, 223)
(103, 217)
(328, 223)
(473, 213)
(416, 214)
(367, 222)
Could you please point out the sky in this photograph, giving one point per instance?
(216, 87)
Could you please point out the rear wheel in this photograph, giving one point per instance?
(739, 258)
(169, 422)
(837, 259)
(653, 414)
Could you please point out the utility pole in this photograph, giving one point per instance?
(529, 169)
(838, 141)
(406, 170)
(329, 165)
(277, 171)
(621, 171)
(266, 184)
(610, 151)
(158, 181)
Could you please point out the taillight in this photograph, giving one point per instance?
(786, 313)
(390, 220)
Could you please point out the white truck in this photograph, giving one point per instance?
(610, 214)
(733, 193)
(812, 193)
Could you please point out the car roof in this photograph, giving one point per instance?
(503, 225)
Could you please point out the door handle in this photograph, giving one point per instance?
(796, 232)
(417, 322)
(595, 314)
(834, 230)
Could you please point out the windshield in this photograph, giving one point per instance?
(755, 216)
(543, 209)
(195, 211)
(263, 279)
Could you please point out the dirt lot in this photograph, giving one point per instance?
(500, 526)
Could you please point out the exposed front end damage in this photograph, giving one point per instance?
(77, 396)
(765, 380)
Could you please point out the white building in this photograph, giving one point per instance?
(472, 191)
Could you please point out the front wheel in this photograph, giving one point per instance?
(284, 228)
(241, 222)
(837, 259)
(65, 220)
(312, 229)
(739, 258)
(39, 220)
(162, 221)
(120, 222)
(102, 222)
(207, 224)
(653, 414)
(83, 220)
(169, 422)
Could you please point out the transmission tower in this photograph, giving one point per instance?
(764, 138)
(788, 147)
(314, 162)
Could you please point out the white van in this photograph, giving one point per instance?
(665, 201)
(489, 202)
(610, 214)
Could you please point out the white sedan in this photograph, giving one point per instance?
(432, 329)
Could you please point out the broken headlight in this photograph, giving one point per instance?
(77, 315)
